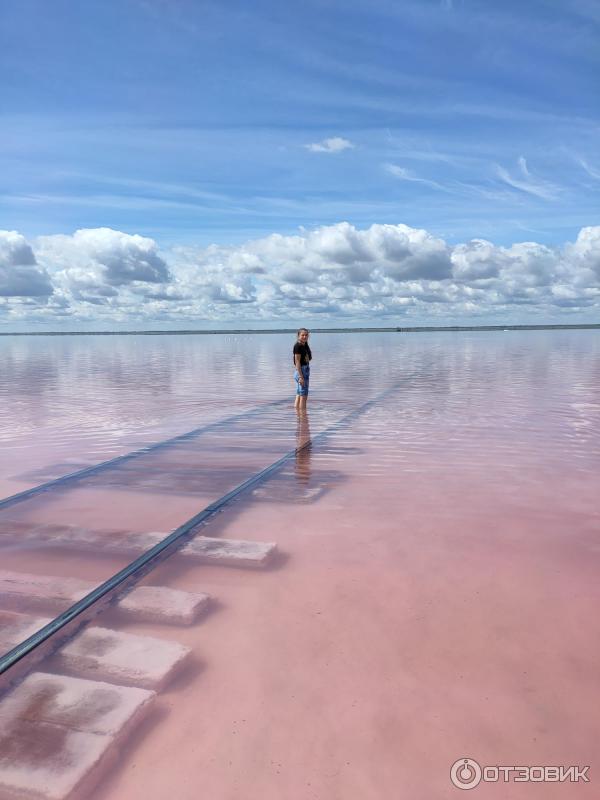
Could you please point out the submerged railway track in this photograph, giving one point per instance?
(77, 658)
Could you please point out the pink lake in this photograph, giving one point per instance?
(434, 595)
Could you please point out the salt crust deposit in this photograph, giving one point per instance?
(57, 732)
(124, 658)
(24, 592)
(204, 549)
(104, 654)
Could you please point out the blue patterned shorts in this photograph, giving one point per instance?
(302, 390)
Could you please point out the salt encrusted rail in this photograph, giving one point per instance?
(23, 592)
(76, 725)
(104, 654)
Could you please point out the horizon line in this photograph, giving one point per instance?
(392, 329)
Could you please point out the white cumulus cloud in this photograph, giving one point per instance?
(100, 265)
(379, 274)
(20, 274)
(106, 256)
(334, 145)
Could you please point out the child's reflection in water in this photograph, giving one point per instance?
(303, 447)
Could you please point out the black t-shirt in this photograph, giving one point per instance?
(302, 350)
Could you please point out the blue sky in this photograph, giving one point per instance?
(197, 123)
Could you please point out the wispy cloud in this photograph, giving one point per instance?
(523, 166)
(516, 112)
(594, 173)
(334, 145)
(160, 187)
(404, 174)
(525, 182)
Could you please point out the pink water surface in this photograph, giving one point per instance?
(436, 595)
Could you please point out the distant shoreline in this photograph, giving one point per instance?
(395, 329)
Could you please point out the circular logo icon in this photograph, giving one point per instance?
(465, 773)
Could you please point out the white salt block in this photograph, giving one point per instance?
(80, 704)
(75, 537)
(24, 592)
(111, 541)
(229, 552)
(124, 658)
(103, 654)
(51, 762)
(58, 733)
(163, 604)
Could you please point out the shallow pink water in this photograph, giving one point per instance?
(438, 593)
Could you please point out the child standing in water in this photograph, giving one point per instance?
(302, 359)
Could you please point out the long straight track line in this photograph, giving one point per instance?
(93, 469)
(66, 624)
